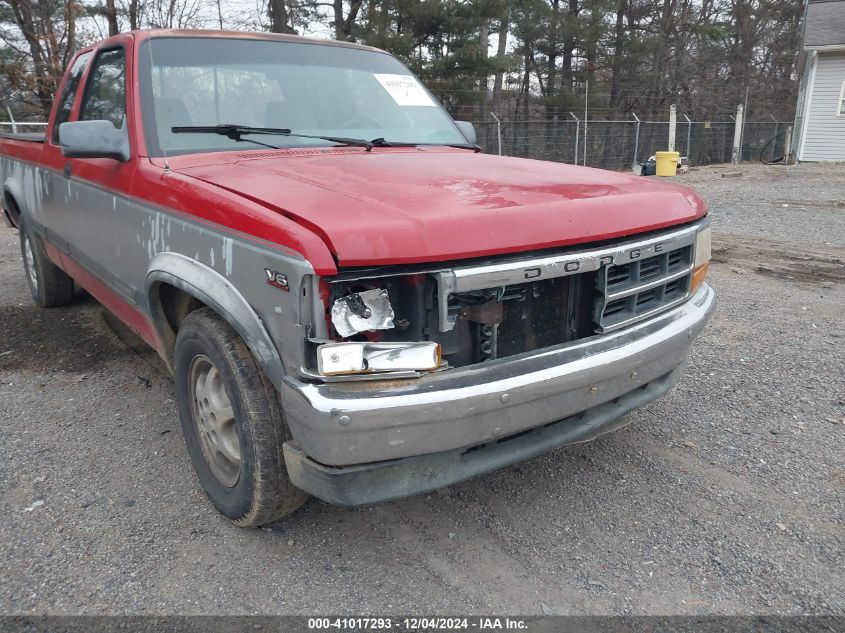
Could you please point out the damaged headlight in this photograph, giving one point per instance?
(360, 358)
(362, 311)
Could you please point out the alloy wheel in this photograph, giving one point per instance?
(214, 417)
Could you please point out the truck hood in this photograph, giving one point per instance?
(395, 206)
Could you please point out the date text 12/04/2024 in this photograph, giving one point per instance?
(481, 623)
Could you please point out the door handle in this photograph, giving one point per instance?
(66, 171)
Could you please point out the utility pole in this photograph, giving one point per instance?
(498, 131)
(586, 113)
(736, 152)
(577, 131)
(777, 124)
(787, 146)
(745, 116)
(673, 123)
(637, 137)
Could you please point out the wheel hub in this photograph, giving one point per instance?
(215, 422)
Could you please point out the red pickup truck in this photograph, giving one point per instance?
(354, 302)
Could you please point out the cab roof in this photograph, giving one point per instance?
(142, 34)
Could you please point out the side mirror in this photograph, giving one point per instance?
(93, 139)
(468, 130)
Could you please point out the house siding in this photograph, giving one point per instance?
(824, 131)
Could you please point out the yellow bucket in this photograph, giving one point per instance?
(667, 163)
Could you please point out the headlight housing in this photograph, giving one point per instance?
(376, 330)
(362, 312)
(335, 359)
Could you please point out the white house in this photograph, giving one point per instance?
(820, 114)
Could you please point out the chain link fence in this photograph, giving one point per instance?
(619, 144)
(607, 144)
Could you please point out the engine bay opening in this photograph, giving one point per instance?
(489, 323)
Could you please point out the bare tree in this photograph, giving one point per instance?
(40, 42)
(501, 53)
(133, 12)
(344, 23)
(639, 55)
(178, 14)
(280, 16)
(111, 17)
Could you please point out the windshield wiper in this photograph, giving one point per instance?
(380, 142)
(235, 132)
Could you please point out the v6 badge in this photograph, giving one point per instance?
(277, 280)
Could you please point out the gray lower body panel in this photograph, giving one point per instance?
(382, 481)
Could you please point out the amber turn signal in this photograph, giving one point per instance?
(698, 275)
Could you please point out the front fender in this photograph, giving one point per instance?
(214, 290)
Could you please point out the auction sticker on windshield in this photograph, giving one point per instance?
(405, 90)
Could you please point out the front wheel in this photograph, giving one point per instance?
(233, 424)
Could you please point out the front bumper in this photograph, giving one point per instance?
(337, 427)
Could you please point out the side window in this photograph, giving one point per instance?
(69, 93)
(105, 94)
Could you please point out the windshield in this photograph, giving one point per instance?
(306, 88)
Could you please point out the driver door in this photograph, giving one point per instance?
(98, 218)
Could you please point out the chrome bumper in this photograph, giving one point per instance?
(342, 424)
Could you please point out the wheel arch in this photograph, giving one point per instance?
(12, 202)
(213, 290)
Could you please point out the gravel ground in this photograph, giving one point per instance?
(723, 497)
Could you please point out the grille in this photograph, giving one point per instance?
(546, 313)
(517, 318)
(496, 310)
(636, 290)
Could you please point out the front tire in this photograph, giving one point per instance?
(233, 423)
(49, 285)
